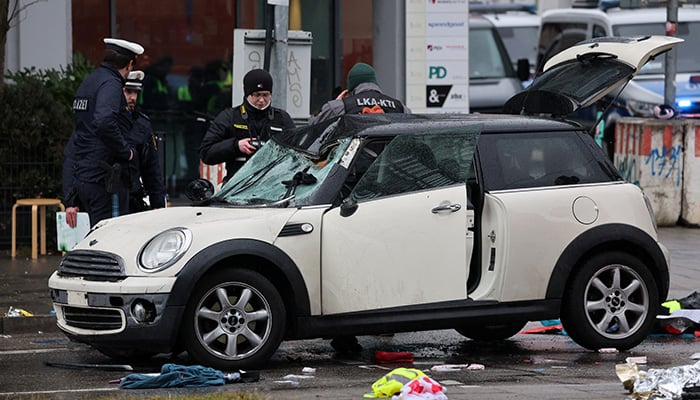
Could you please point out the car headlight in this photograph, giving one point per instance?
(165, 249)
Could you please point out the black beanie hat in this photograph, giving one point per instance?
(256, 80)
(360, 73)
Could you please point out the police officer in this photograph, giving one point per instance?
(237, 132)
(144, 177)
(362, 95)
(99, 139)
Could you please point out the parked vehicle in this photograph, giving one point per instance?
(383, 223)
(561, 28)
(492, 78)
(518, 26)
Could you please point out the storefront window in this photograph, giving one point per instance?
(192, 41)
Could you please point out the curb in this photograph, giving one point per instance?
(19, 325)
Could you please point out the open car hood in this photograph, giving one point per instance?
(582, 74)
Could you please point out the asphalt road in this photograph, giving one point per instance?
(548, 366)
(529, 366)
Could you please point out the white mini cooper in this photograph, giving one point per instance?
(386, 223)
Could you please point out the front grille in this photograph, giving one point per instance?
(92, 265)
(91, 318)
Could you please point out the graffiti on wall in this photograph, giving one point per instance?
(627, 167)
(637, 155)
(666, 163)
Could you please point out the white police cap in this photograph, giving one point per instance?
(124, 46)
(134, 80)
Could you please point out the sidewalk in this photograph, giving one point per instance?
(24, 282)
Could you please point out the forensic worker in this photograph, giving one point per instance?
(99, 139)
(237, 132)
(362, 95)
(144, 177)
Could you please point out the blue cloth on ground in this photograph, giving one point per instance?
(174, 375)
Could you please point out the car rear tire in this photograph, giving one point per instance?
(484, 333)
(610, 302)
(235, 320)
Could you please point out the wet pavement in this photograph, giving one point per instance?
(24, 282)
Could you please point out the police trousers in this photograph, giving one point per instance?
(99, 203)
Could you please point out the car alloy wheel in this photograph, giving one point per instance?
(610, 303)
(235, 320)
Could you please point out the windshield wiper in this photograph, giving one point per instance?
(300, 178)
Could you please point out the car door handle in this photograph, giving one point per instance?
(447, 207)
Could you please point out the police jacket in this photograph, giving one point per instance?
(145, 164)
(220, 143)
(365, 95)
(101, 121)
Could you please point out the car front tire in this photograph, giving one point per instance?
(235, 320)
(610, 302)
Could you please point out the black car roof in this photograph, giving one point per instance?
(313, 139)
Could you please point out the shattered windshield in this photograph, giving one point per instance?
(280, 176)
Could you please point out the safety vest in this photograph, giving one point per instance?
(183, 93)
(391, 383)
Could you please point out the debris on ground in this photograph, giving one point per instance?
(174, 375)
(18, 312)
(423, 388)
(680, 315)
(393, 357)
(448, 367)
(549, 326)
(293, 379)
(392, 383)
(660, 384)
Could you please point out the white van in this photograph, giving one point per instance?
(492, 78)
(518, 25)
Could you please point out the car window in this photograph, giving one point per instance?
(520, 42)
(512, 161)
(487, 56)
(556, 37)
(599, 31)
(411, 163)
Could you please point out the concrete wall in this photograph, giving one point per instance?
(41, 36)
(663, 158)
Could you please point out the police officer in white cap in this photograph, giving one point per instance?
(144, 177)
(99, 141)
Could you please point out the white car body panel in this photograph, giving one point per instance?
(553, 207)
(634, 55)
(209, 225)
(306, 252)
(426, 261)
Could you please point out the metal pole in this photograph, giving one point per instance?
(112, 18)
(670, 76)
(279, 56)
(269, 9)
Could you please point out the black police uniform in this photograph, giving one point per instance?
(144, 176)
(101, 121)
(369, 99)
(220, 143)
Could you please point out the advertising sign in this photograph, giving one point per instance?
(437, 55)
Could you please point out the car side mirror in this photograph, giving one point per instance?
(348, 207)
(523, 69)
(199, 190)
